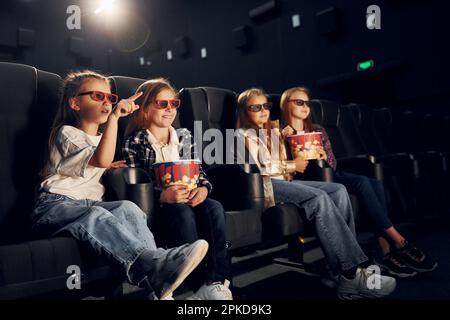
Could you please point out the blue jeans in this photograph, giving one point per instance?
(116, 230)
(179, 223)
(328, 205)
(370, 193)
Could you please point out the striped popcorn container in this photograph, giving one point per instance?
(305, 145)
(181, 172)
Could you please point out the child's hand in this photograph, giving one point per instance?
(175, 194)
(287, 131)
(118, 165)
(322, 154)
(126, 106)
(197, 196)
(300, 165)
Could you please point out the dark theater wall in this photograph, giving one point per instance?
(410, 51)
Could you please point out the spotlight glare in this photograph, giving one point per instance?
(107, 5)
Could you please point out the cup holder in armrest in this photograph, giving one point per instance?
(132, 184)
(136, 176)
(139, 188)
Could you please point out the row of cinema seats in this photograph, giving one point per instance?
(37, 268)
(238, 187)
(407, 151)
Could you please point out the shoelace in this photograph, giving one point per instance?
(218, 287)
(396, 261)
(414, 253)
(366, 273)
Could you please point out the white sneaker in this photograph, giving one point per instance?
(366, 284)
(214, 291)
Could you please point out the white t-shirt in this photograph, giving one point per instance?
(268, 164)
(68, 171)
(165, 152)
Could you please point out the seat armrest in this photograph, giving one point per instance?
(317, 170)
(131, 184)
(361, 164)
(237, 187)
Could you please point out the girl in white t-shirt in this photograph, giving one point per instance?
(71, 194)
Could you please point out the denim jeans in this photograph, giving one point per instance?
(328, 205)
(179, 223)
(116, 230)
(370, 193)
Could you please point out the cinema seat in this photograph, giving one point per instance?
(216, 107)
(275, 113)
(33, 268)
(351, 152)
(416, 140)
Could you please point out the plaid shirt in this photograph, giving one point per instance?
(139, 153)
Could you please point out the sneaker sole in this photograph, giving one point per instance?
(352, 296)
(356, 296)
(400, 275)
(192, 261)
(424, 270)
(346, 295)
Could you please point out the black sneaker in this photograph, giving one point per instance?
(415, 258)
(395, 266)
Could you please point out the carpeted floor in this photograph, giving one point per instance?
(256, 276)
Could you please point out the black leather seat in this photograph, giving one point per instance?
(275, 113)
(348, 146)
(216, 108)
(242, 228)
(239, 187)
(242, 195)
(350, 157)
(416, 138)
(29, 267)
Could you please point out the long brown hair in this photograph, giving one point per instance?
(284, 102)
(150, 89)
(65, 114)
(243, 120)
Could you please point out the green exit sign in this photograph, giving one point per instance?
(365, 65)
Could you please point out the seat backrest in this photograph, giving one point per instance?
(446, 133)
(275, 113)
(316, 112)
(340, 126)
(194, 107)
(382, 122)
(210, 108)
(405, 124)
(365, 121)
(328, 114)
(29, 101)
(431, 132)
(222, 107)
(354, 143)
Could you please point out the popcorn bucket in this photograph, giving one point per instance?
(181, 172)
(305, 145)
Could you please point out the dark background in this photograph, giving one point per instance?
(410, 52)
